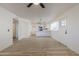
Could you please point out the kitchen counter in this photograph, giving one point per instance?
(43, 33)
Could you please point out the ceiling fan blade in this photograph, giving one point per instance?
(42, 5)
(29, 4)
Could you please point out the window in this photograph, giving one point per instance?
(63, 22)
(54, 26)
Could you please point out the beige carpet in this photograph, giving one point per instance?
(38, 46)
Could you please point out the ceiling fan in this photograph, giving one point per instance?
(41, 4)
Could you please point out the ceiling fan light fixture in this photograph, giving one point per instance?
(36, 3)
(41, 4)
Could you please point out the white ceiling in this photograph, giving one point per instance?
(51, 11)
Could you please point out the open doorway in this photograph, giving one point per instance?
(15, 30)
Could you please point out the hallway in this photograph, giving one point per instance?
(37, 46)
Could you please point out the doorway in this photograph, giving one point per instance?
(15, 30)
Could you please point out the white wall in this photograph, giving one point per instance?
(24, 28)
(5, 24)
(71, 39)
